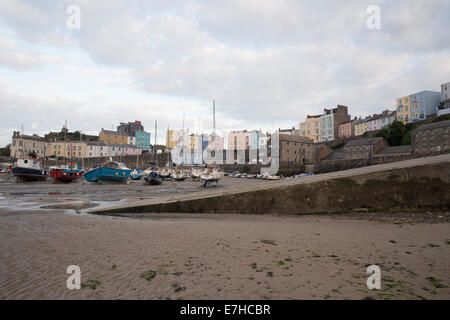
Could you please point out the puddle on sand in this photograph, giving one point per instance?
(103, 204)
(71, 205)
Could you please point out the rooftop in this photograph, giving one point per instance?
(435, 125)
(363, 142)
(288, 137)
(27, 137)
(114, 132)
(396, 149)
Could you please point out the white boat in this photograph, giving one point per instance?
(196, 173)
(29, 170)
(165, 173)
(270, 177)
(210, 175)
(178, 175)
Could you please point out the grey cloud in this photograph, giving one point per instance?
(264, 61)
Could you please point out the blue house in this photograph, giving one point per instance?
(424, 104)
(143, 140)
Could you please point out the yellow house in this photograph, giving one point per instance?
(404, 109)
(68, 149)
(171, 139)
(360, 126)
(113, 137)
(311, 128)
(192, 141)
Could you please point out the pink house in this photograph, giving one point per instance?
(345, 130)
(238, 140)
(132, 150)
(219, 142)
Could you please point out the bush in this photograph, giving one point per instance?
(395, 133)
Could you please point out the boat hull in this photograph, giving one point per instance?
(107, 174)
(61, 175)
(153, 181)
(29, 174)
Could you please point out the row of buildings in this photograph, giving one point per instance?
(23, 145)
(431, 138)
(129, 139)
(336, 123)
(131, 133)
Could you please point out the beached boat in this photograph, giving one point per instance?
(29, 170)
(196, 173)
(165, 173)
(136, 174)
(153, 178)
(270, 177)
(210, 175)
(178, 175)
(66, 173)
(110, 171)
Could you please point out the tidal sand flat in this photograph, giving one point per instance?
(185, 256)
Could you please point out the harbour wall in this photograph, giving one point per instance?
(422, 187)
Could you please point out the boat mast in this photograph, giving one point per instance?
(184, 143)
(82, 155)
(24, 150)
(156, 130)
(65, 139)
(214, 128)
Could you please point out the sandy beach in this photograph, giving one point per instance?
(223, 256)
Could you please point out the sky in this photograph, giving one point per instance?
(266, 63)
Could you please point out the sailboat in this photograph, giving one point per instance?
(165, 173)
(136, 174)
(178, 175)
(196, 173)
(210, 175)
(153, 178)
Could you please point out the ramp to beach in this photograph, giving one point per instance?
(422, 183)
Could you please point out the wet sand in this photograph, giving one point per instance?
(207, 256)
(221, 257)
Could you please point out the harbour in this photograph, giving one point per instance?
(209, 255)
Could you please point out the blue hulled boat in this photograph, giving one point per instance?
(136, 174)
(110, 171)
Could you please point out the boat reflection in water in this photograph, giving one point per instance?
(110, 171)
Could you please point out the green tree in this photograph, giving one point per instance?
(6, 151)
(395, 132)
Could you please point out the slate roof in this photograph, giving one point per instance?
(363, 142)
(435, 125)
(115, 132)
(396, 149)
